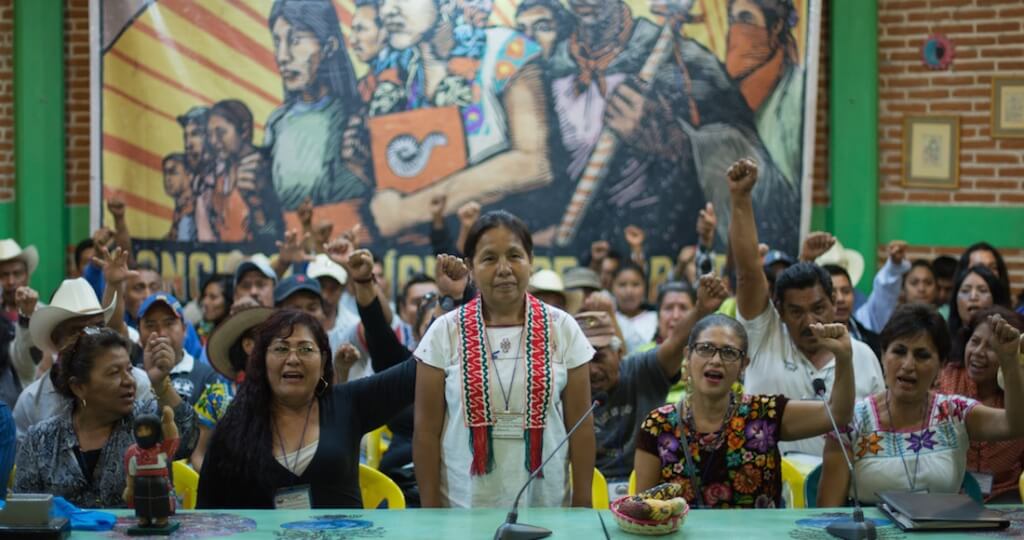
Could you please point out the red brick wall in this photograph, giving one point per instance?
(988, 36)
(76, 113)
(1014, 261)
(6, 100)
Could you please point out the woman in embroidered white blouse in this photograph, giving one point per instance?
(506, 379)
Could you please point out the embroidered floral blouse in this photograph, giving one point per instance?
(740, 468)
(47, 462)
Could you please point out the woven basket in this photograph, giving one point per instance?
(646, 527)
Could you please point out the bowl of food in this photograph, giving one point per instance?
(657, 511)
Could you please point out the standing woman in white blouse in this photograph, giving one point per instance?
(505, 379)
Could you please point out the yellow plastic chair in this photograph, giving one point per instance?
(793, 484)
(1020, 486)
(376, 444)
(186, 484)
(599, 491)
(377, 488)
(632, 483)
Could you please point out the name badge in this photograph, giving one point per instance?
(508, 426)
(293, 498)
(984, 482)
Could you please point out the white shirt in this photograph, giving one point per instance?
(638, 330)
(439, 348)
(778, 367)
(40, 400)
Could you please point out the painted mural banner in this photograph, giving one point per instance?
(215, 120)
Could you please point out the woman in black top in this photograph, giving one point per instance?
(290, 438)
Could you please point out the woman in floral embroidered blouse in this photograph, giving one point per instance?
(722, 447)
(909, 437)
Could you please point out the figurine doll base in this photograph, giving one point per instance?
(154, 530)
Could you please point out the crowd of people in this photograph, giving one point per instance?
(273, 374)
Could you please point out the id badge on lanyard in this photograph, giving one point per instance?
(293, 498)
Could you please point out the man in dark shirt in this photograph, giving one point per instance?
(161, 333)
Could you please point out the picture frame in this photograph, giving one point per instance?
(1007, 107)
(931, 152)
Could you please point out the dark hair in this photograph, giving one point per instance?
(143, 266)
(80, 249)
(802, 275)
(1000, 294)
(319, 18)
(965, 261)
(414, 280)
(236, 352)
(715, 320)
(944, 267)
(919, 263)
(836, 270)
(245, 432)
(227, 287)
(676, 287)
(630, 266)
(775, 11)
(979, 318)
(77, 361)
(493, 220)
(196, 115)
(177, 156)
(237, 114)
(909, 320)
(564, 21)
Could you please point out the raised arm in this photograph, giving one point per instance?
(115, 274)
(886, 288)
(751, 283)
(710, 294)
(803, 419)
(835, 476)
(986, 423)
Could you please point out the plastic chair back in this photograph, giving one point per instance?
(632, 483)
(793, 484)
(971, 488)
(811, 487)
(599, 491)
(376, 444)
(186, 484)
(377, 488)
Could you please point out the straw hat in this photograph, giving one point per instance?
(848, 259)
(224, 336)
(74, 298)
(10, 250)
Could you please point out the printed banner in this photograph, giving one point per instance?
(217, 119)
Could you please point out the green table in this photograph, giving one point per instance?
(573, 524)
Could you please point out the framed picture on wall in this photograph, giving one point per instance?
(1007, 107)
(931, 152)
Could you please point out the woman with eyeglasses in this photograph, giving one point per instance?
(722, 447)
(79, 454)
(290, 439)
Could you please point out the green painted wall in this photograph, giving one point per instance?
(929, 225)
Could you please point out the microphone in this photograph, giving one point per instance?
(510, 530)
(856, 528)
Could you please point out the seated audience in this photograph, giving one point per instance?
(944, 268)
(162, 333)
(909, 437)
(974, 373)
(547, 286)
(843, 287)
(79, 454)
(722, 446)
(985, 254)
(919, 284)
(228, 349)
(332, 278)
(16, 267)
(975, 289)
(255, 278)
(290, 438)
(676, 300)
(885, 292)
(785, 355)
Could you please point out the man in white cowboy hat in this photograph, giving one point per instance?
(55, 327)
(785, 357)
(16, 267)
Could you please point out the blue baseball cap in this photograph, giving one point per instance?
(294, 284)
(162, 298)
(776, 256)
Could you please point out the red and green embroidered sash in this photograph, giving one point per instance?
(476, 382)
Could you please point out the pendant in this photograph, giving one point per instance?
(506, 345)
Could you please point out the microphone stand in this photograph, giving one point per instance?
(510, 530)
(856, 528)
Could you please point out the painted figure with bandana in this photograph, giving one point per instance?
(762, 58)
(443, 55)
(677, 135)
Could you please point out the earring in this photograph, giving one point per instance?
(83, 403)
(321, 389)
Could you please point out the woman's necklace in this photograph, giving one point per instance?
(911, 480)
(284, 452)
(691, 424)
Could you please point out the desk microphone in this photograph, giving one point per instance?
(856, 528)
(510, 530)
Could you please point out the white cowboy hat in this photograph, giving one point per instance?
(74, 298)
(323, 266)
(218, 347)
(549, 281)
(848, 259)
(10, 250)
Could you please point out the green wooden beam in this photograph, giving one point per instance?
(40, 216)
(7, 226)
(853, 127)
(952, 226)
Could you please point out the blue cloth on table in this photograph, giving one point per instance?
(81, 520)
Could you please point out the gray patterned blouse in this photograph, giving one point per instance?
(47, 463)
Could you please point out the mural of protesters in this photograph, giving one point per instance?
(303, 135)
(763, 59)
(488, 77)
(368, 40)
(237, 207)
(178, 186)
(545, 21)
(677, 137)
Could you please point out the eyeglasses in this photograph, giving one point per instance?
(303, 352)
(728, 354)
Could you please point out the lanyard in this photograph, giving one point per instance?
(505, 395)
(284, 452)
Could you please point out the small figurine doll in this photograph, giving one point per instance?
(148, 487)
